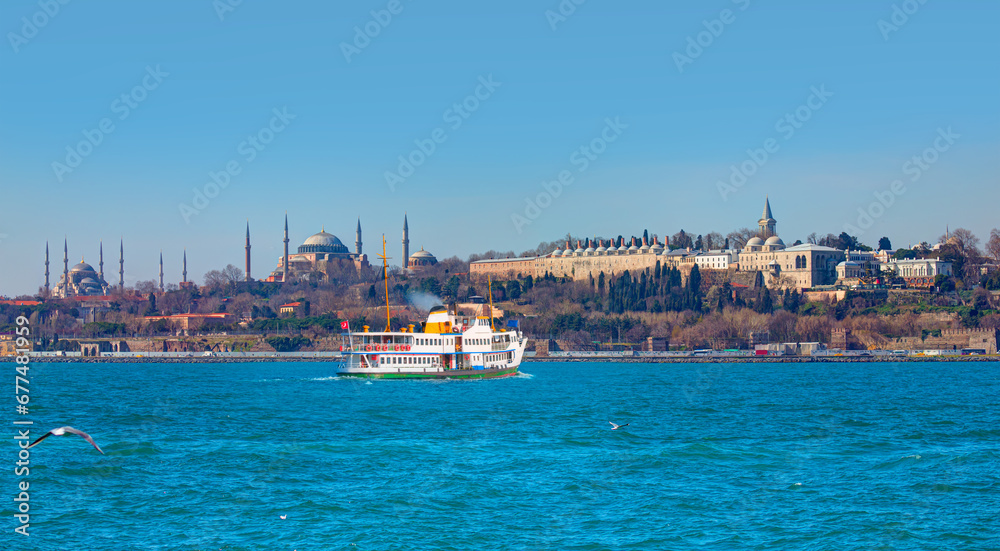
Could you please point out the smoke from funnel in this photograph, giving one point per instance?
(423, 301)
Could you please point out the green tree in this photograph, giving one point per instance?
(884, 244)
(513, 289)
(450, 288)
(431, 285)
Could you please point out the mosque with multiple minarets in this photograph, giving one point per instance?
(324, 253)
(82, 280)
(320, 255)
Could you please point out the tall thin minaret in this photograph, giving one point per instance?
(66, 287)
(161, 271)
(121, 264)
(357, 241)
(248, 278)
(406, 242)
(46, 269)
(100, 273)
(284, 259)
(184, 274)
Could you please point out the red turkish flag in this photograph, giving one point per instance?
(343, 325)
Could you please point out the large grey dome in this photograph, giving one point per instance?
(82, 267)
(322, 242)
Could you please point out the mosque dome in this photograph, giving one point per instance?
(755, 242)
(422, 258)
(421, 254)
(322, 242)
(82, 267)
(775, 241)
(601, 249)
(557, 252)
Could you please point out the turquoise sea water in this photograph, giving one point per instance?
(716, 456)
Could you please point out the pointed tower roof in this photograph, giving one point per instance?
(767, 209)
(406, 225)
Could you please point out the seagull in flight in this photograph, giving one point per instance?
(63, 430)
(616, 427)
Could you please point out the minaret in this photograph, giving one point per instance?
(767, 221)
(248, 251)
(100, 272)
(46, 269)
(185, 272)
(161, 271)
(66, 287)
(284, 258)
(406, 243)
(121, 264)
(357, 241)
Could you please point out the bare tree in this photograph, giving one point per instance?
(214, 278)
(993, 245)
(232, 274)
(965, 239)
(829, 240)
(147, 286)
(713, 240)
(738, 238)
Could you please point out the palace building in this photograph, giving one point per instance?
(800, 266)
(797, 267)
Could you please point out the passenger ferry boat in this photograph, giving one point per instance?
(448, 346)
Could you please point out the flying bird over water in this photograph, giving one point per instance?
(63, 430)
(616, 427)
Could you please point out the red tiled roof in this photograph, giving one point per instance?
(221, 315)
(291, 304)
(20, 302)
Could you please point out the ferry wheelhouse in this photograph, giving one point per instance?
(448, 345)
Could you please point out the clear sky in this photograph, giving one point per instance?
(173, 91)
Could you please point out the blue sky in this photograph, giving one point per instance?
(206, 83)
